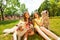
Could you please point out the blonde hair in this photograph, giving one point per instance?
(45, 18)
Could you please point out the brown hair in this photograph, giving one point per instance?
(25, 17)
(37, 14)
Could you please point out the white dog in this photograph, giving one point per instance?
(15, 30)
(11, 30)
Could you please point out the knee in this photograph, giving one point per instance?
(32, 33)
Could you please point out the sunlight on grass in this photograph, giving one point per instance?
(7, 24)
(54, 27)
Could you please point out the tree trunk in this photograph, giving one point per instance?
(2, 14)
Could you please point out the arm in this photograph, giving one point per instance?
(40, 24)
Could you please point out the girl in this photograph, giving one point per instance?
(26, 28)
(28, 25)
(39, 26)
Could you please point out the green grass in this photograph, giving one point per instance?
(54, 27)
(7, 24)
(4, 25)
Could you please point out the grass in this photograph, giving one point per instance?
(54, 27)
(4, 25)
(7, 24)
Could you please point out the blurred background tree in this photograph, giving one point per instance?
(53, 6)
(11, 7)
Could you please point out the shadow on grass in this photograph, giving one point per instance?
(35, 37)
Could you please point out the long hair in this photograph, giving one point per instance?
(37, 14)
(29, 20)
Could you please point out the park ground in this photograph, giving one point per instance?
(54, 27)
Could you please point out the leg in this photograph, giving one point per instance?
(18, 34)
(41, 33)
(30, 32)
(49, 33)
(21, 33)
(15, 36)
(26, 36)
(19, 38)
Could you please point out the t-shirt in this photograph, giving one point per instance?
(36, 21)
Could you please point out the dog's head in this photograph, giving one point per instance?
(21, 25)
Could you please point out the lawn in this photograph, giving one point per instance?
(54, 27)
